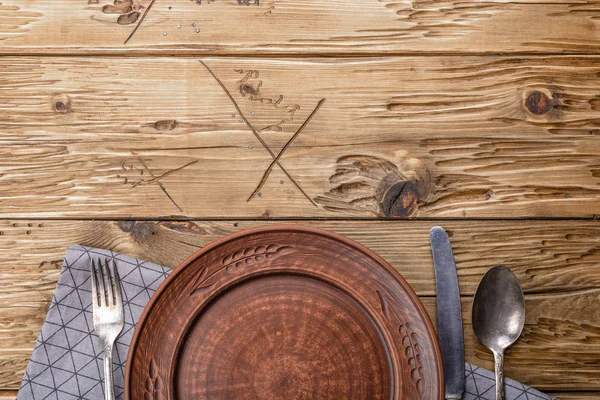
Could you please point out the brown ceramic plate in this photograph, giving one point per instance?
(284, 312)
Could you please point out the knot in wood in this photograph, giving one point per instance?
(247, 88)
(400, 200)
(61, 104)
(165, 125)
(538, 103)
(126, 226)
(143, 230)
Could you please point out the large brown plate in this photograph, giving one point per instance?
(284, 312)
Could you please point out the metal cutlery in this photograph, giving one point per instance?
(498, 316)
(449, 316)
(107, 315)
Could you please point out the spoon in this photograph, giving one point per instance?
(498, 316)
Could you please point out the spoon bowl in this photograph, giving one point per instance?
(498, 316)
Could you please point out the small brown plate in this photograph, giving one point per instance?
(284, 312)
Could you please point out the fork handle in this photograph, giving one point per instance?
(109, 389)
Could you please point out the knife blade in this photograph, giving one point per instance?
(449, 316)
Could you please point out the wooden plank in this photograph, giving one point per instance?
(558, 349)
(547, 256)
(396, 137)
(292, 27)
(555, 261)
(576, 395)
(8, 394)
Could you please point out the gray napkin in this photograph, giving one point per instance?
(67, 360)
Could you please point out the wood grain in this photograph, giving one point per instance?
(557, 349)
(293, 27)
(396, 137)
(555, 262)
(575, 395)
(425, 109)
(8, 394)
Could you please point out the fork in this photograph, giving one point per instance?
(108, 315)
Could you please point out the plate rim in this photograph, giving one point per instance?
(274, 228)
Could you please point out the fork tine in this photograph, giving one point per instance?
(108, 318)
(94, 284)
(110, 300)
(118, 295)
(100, 279)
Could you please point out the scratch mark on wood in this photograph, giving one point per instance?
(199, 2)
(255, 133)
(269, 11)
(156, 179)
(140, 21)
(250, 86)
(162, 187)
(289, 142)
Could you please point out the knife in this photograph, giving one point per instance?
(449, 316)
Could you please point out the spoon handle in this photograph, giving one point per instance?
(499, 364)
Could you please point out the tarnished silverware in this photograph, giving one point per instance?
(108, 315)
(449, 316)
(498, 316)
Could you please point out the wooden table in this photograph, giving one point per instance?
(375, 119)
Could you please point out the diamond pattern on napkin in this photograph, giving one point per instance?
(67, 361)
